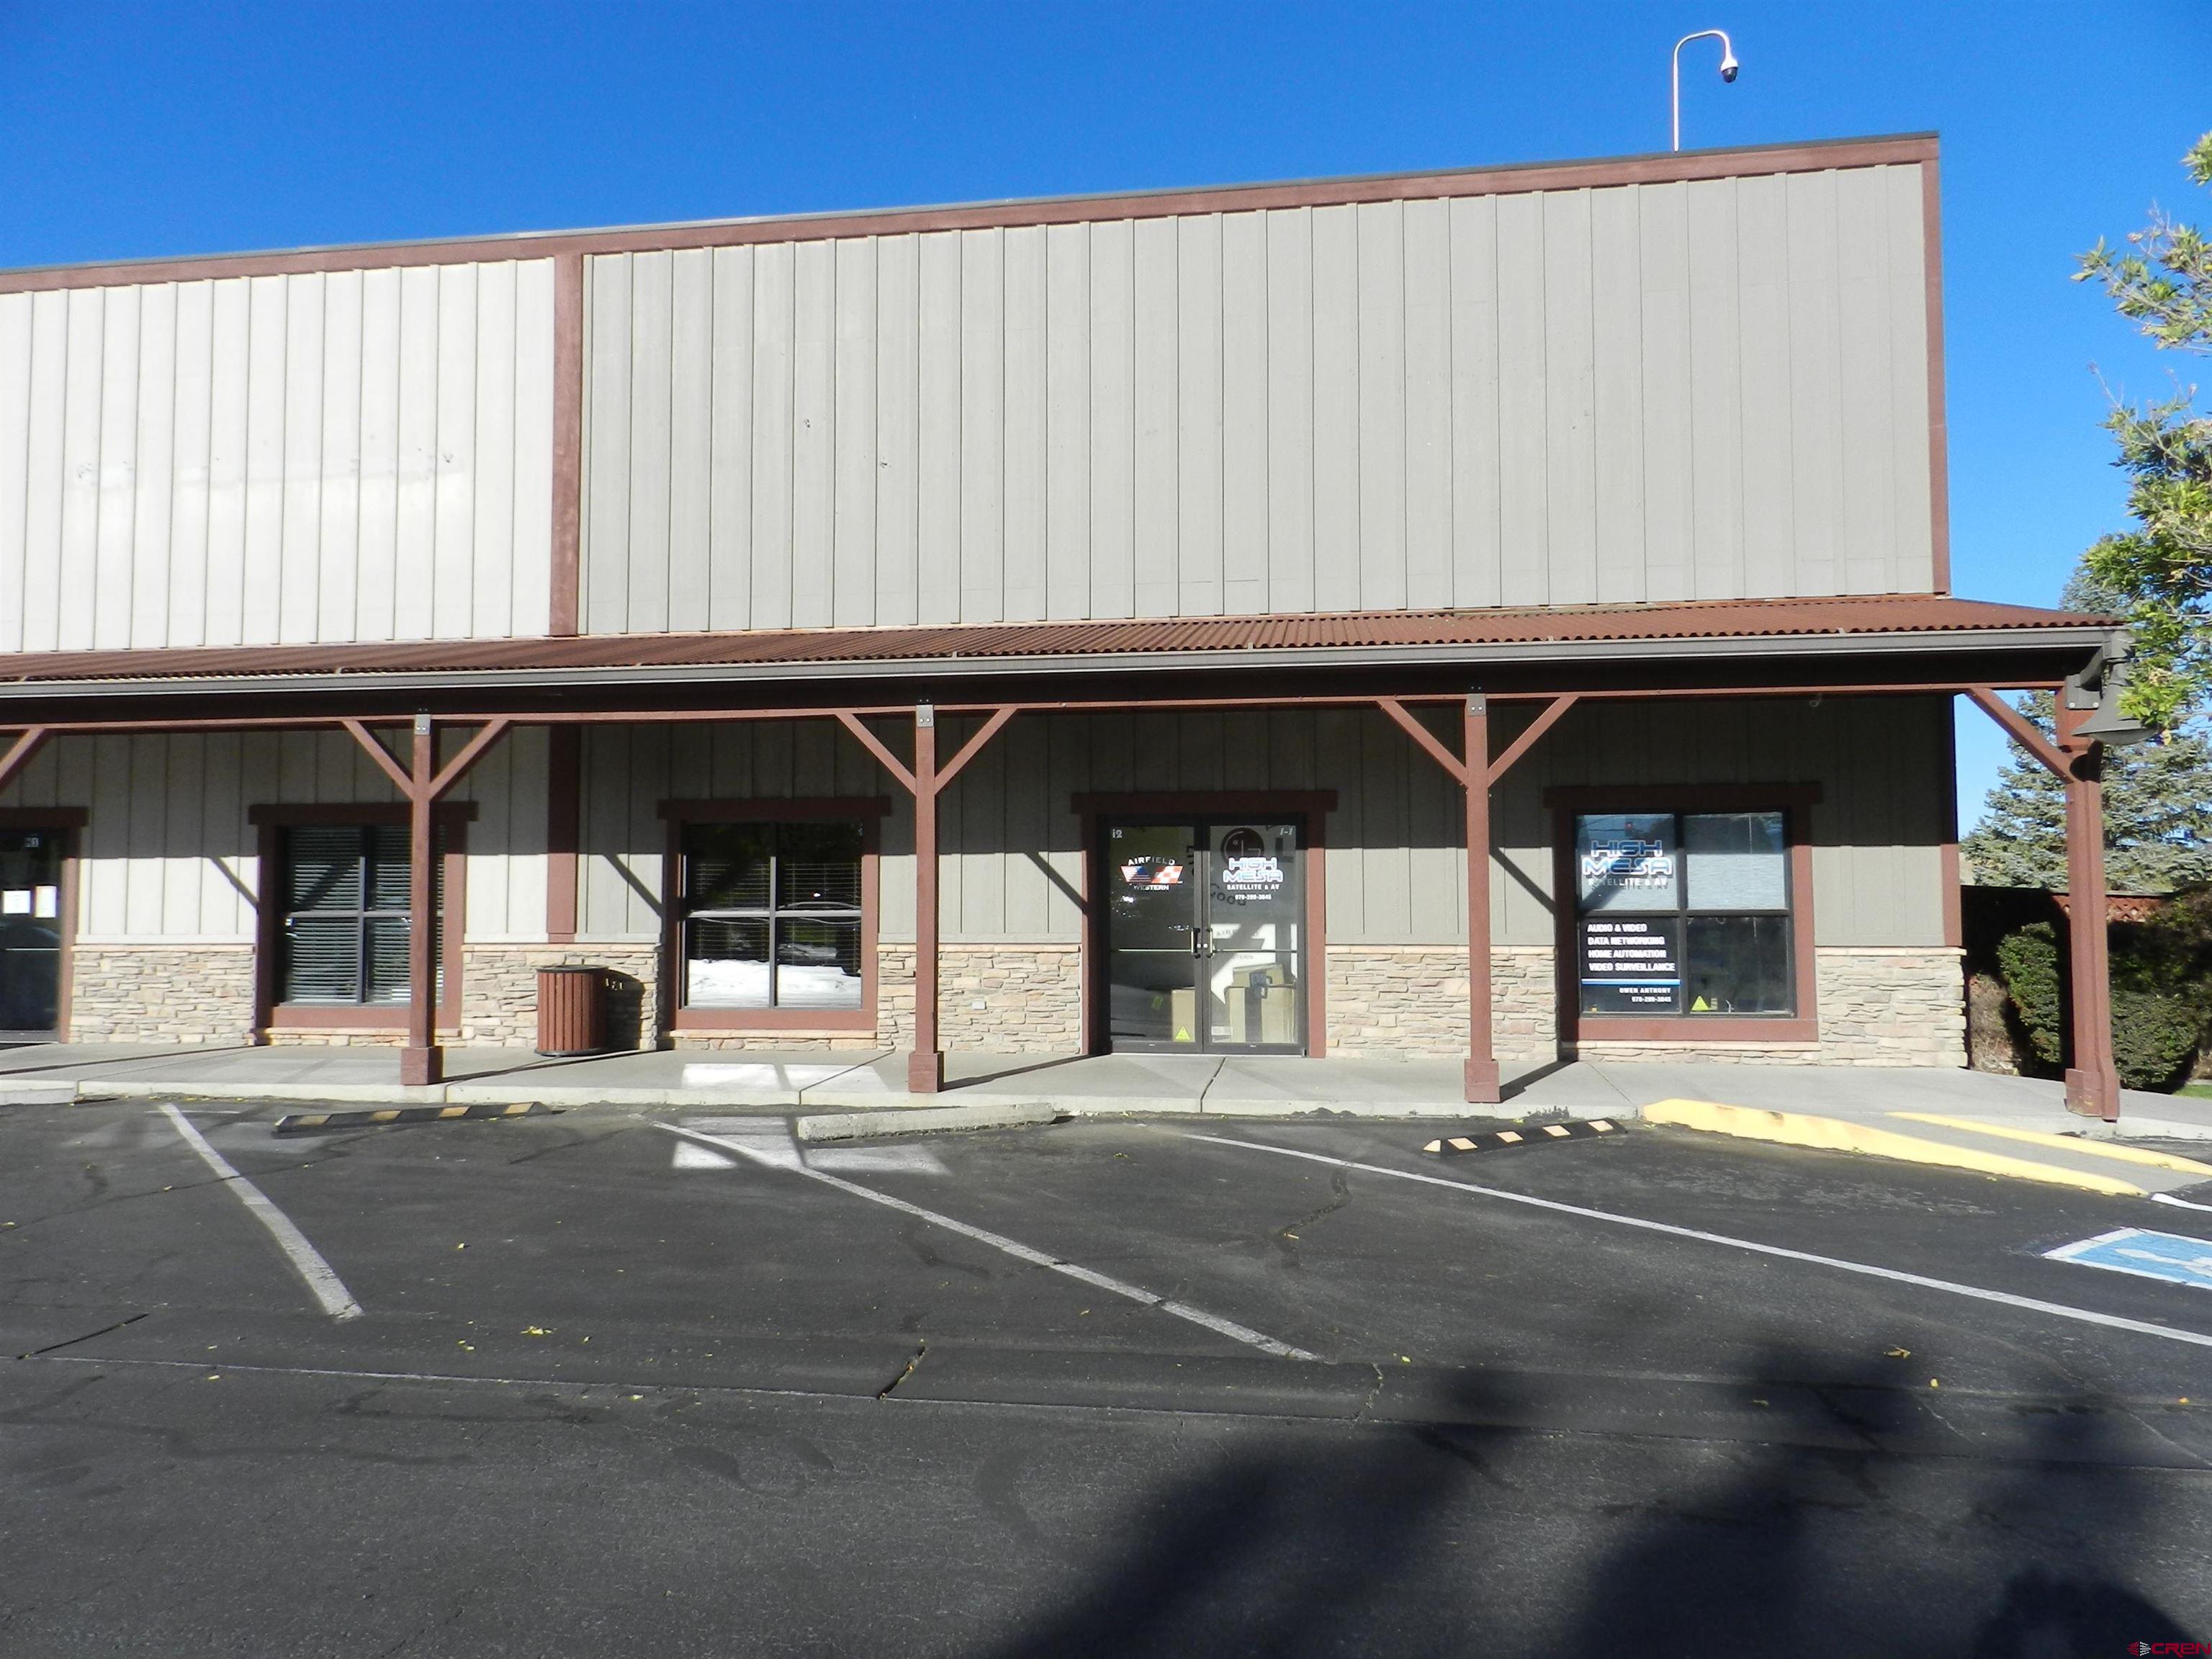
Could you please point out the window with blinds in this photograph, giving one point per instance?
(772, 916)
(346, 922)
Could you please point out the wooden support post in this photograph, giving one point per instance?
(2093, 1078)
(423, 783)
(925, 780)
(21, 752)
(1476, 772)
(924, 1065)
(1482, 1080)
(422, 1061)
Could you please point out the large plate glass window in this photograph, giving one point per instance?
(772, 916)
(346, 914)
(1684, 914)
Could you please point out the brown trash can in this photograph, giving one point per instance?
(572, 1010)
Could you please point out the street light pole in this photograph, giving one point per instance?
(1729, 69)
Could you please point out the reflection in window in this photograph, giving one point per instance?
(1684, 914)
(772, 916)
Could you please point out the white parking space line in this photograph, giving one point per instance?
(2179, 1203)
(749, 1147)
(330, 1289)
(2057, 1310)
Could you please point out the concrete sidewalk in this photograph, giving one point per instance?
(2003, 1126)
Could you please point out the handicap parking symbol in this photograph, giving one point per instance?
(2170, 1256)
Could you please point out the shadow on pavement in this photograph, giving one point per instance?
(1428, 1538)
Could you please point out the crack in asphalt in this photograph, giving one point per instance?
(1285, 1237)
(181, 1445)
(70, 1342)
(108, 1200)
(1367, 1404)
(921, 1350)
(580, 1139)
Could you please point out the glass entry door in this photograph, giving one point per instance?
(1205, 935)
(30, 934)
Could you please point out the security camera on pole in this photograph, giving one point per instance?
(1729, 69)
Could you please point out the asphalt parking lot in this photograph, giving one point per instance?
(622, 1382)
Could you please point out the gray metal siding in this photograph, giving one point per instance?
(1012, 862)
(353, 455)
(168, 855)
(171, 857)
(1709, 389)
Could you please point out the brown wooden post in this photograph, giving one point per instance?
(422, 1061)
(21, 752)
(924, 1065)
(1476, 772)
(2092, 1079)
(925, 781)
(1482, 1083)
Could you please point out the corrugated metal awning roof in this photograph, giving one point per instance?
(1699, 628)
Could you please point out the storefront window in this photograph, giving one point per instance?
(772, 916)
(345, 921)
(1684, 914)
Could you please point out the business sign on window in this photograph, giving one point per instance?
(1152, 872)
(1247, 872)
(1630, 964)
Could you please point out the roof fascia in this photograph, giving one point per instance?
(1815, 647)
(1656, 168)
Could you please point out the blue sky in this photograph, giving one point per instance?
(139, 129)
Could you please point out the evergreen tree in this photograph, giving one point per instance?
(2158, 817)
(2159, 573)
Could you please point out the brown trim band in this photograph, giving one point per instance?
(1658, 167)
(564, 611)
(1939, 438)
(44, 817)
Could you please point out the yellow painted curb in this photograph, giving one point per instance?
(1835, 1135)
(2067, 1143)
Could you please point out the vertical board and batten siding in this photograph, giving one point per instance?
(168, 855)
(327, 457)
(1707, 390)
(1012, 866)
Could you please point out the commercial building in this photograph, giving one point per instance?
(1039, 627)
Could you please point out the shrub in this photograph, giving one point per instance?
(2161, 991)
(2155, 1036)
(2028, 958)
